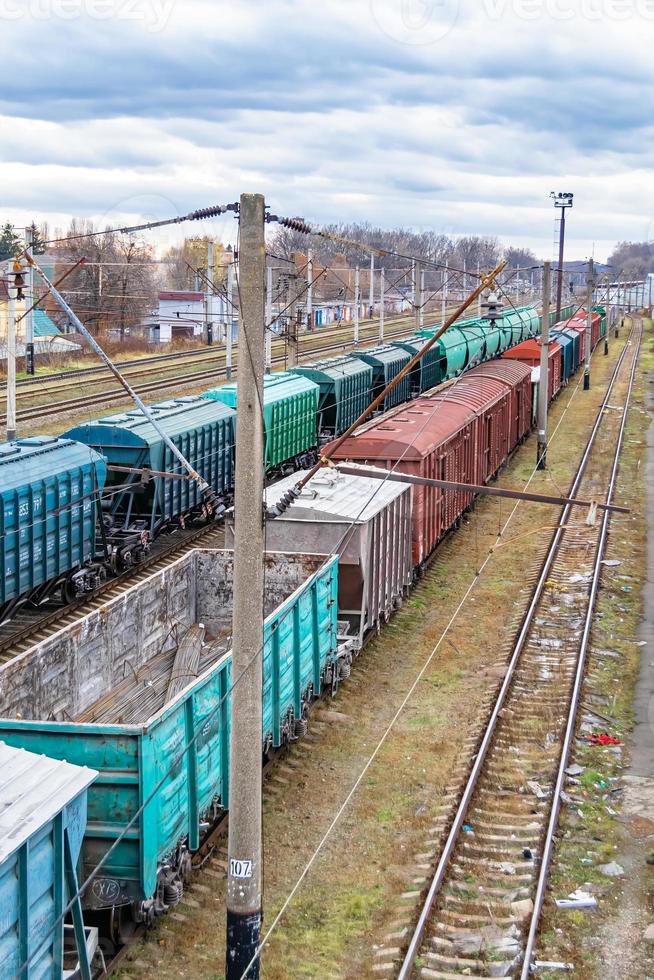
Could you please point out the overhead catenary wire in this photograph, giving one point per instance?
(200, 214)
(369, 762)
(197, 734)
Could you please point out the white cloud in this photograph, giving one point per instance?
(462, 122)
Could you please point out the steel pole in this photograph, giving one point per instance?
(372, 286)
(559, 285)
(29, 299)
(357, 301)
(244, 869)
(309, 289)
(269, 318)
(589, 323)
(421, 310)
(543, 387)
(11, 366)
(229, 340)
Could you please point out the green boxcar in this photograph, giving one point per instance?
(290, 412)
(602, 312)
(387, 361)
(345, 391)
(147, 764)
(430, 369)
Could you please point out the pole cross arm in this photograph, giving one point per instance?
(538, 498)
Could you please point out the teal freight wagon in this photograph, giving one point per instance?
(48, 489)
(387, 361)
(42, 821)
(345, 391)
(430, 369)
(202, 431)
(95, 693)
(290, 412)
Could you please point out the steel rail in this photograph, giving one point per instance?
(200, 353)
(576, 691)
(439, 874)
(99, 397)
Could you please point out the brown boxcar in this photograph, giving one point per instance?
(431, 438)
(490, 401)
(517, 378)
(529, 353)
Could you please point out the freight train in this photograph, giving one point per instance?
(52, 546)
(98, 695)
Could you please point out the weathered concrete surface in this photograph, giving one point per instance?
(64, 675)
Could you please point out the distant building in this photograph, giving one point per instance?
(186, 313)
(48, 338)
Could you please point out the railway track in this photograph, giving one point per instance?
(198, 378)
(482, 905)
(33, 625)
(214, 352)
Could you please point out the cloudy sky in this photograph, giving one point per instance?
(456, 115)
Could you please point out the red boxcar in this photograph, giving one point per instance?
(490, 401)
(517, 378)
(431, 438)
(529, 353)
(464, 432)
(578, 323)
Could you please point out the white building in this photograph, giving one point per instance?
(186, 313)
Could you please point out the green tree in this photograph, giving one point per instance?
(38, 243)
(9, 242)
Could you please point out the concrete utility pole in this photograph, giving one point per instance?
(589, 322)
(29, 300)
(421, 308)
(357, 301)
(209, 294)
(269, 317)
(229, 340)
(479, 297)
(417, 296)
(244, 871)
(444, 290)
(294, 297)
(563, 201)
(11, 365)
(541, 449)
(382, 299)
(372, 286)
(414, 284)
(309, 289)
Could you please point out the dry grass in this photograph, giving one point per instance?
(349, 898)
